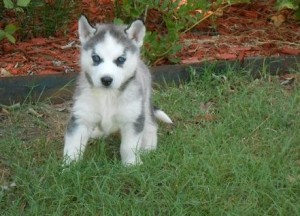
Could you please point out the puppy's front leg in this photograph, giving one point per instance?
(130, 145)
(76, 139)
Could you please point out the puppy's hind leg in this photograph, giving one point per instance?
(149, 142)
(76, 139)
(130, 145)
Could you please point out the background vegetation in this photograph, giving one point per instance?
(25, 19)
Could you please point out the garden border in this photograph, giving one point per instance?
(58, 87)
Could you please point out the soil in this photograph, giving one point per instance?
(238, 32)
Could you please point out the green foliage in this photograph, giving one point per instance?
(8, 4)
(8, 32)
(51, 17)
(297, 14)
(175, 17)
(290, 4)
(36, 18)
(10, 29)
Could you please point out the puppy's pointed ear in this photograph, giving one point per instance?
(85, 30)
(136, 32)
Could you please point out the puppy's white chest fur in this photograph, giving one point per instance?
(114, 109)
(107, 104)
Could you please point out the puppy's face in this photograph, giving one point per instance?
(110, 54)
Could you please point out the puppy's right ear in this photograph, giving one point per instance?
(85, 30)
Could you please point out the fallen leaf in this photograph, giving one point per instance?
(205, 107)
(8, 187)
(5, 111)
(288, 79)
(35, 113)
(277, 20)
(5, 73)
(68, 46)
(219, 12)
(60, 107)
(57, 63)
(206, 117)
(293, 179)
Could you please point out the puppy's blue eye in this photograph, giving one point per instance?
(120, 60)
(96, 59)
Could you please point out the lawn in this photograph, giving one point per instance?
(233, 150)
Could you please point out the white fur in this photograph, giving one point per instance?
(99, 110)
(161, 115)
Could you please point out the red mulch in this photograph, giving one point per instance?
(244, 30)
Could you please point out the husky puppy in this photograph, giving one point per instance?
(113, 92)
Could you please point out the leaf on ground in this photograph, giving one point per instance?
(288, 79)
(219, 12)
(35, 113)
(293, 179)
(5, 73)
(207, 117)
(68, 46)
(277, 20)
(60, 107)
(205, 113)
(206, 107)
(4, 111)
(8, 187)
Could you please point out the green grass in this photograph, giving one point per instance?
(240, 156)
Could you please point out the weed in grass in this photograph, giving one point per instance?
(243, 162)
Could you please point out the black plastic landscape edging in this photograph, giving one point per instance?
(59, 87)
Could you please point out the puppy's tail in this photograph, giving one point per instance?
(162, 116)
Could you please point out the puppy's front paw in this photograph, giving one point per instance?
(96, 133)
(132, 162)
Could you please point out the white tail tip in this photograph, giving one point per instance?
(161, 115)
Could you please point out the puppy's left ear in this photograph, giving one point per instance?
(136, 31)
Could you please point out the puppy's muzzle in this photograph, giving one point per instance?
(106, 81)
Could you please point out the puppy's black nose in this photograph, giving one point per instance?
(106, 80)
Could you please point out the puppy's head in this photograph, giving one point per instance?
(110, 53)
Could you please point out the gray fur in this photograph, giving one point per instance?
(115, 31)
(88, 78)
(152, 110)
(72, 125)
(139, 123)
(126, 83)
